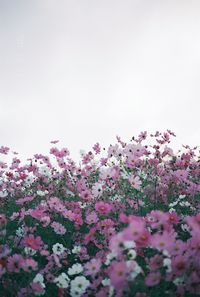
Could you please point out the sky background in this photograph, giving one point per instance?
(85, 71)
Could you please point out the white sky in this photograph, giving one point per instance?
(85, 71)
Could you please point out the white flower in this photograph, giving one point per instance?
(44, 170)
(70, 192)
(181, 196)
(185, 227)
(95, 163)
(167, 263)
(137, 270)
(29, 251)
(171, 210)
(82, 152)
(62, 281)
(166, 253)
(178, 280)
(111, 291)
(186, 203)
(29, 180)
(82, 205)
(75, 269)
(39, 278)
(128, 244)
(3, 194)
(42, 193)
(124, 175)
(75, 293)
(132, 254)
(20, 232)
(79, 284)
(109, 257)
(97, 190)
(76, 249)
(43, 202)
(173, 204)
(106, 282)
(58, 249)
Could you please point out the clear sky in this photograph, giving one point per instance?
(84, 71)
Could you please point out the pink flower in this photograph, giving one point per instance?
(179, 265)
(103, 207)
(135, 182)
(3, 219)
(134, 230)
(118, 274)
(194, 222)
(38, 212)
(45, 221)
(92, 218)
(97, 190)
(181, 174)
(25, 199)
(86, 195)
(29, 265)
(4, 150)
(33, 242)
(97, 148)
(116, 242)
(15, 263)
(177, 248)
(157, 219)
(78, 219)
(152, 279)
(173, 217)
(162, 241)
(58, 228)
(37, 287)
(92, 267)
(155, 262)
(2, 270)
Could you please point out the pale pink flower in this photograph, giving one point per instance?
(58, 228)
(135, 182)
(92, 267)
(118, 274)
(30, 265)
(92, 218)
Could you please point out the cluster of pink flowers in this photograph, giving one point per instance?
(125, 225)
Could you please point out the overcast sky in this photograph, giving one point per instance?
(85, 71)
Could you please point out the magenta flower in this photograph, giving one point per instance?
(152, 279)
(103, 207)
(15, 263)
(179, 265)
(33, 242)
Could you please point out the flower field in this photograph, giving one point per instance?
(127, 224)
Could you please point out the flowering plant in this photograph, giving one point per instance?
(125, 225)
